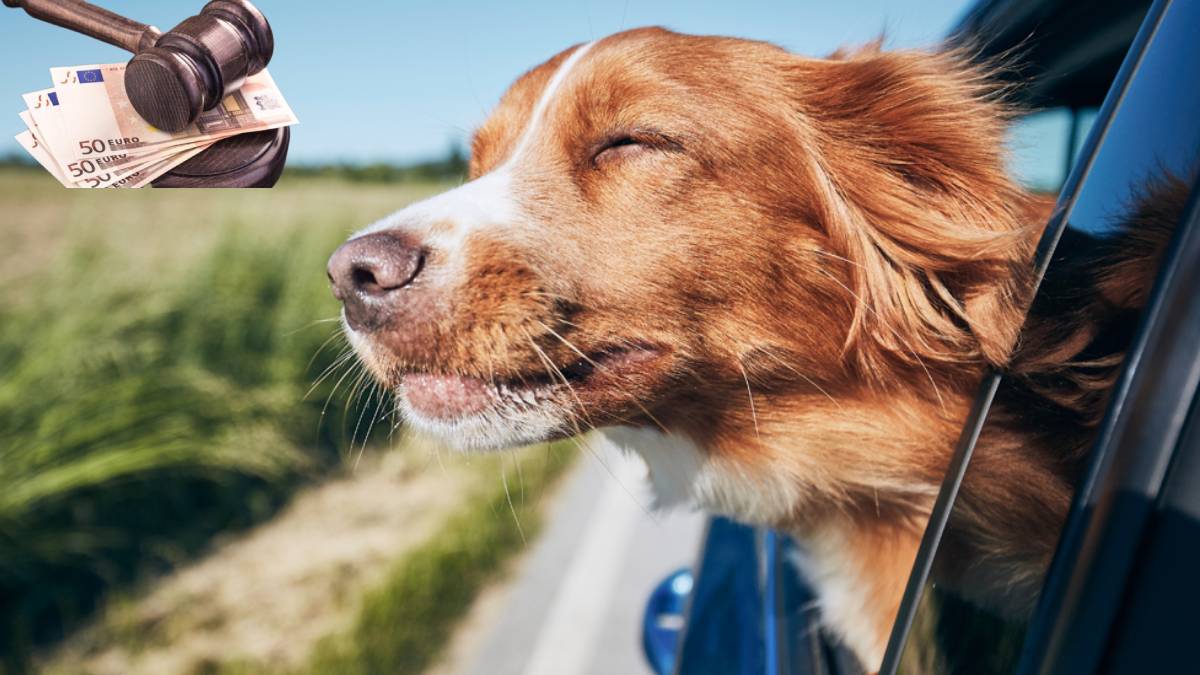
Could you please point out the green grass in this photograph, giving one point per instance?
(402, 625)
(155, 353)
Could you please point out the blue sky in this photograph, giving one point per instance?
(402, 80)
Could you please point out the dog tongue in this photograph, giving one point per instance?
(446, 397)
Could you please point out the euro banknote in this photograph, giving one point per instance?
(86, 133)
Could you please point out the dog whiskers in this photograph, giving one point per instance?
(567, 342)
(355, 398)
(750, 395)
(337, 333)
(554, 371)
(337, 385)
(340, 361)
(310, 324)
(379, 394)
(508, 497)
(579, 438)
(599, 366)
(579, 442)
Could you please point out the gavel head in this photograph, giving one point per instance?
(192, 67)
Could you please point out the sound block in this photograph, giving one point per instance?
(252, 160)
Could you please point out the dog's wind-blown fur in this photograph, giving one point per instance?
(780, 279)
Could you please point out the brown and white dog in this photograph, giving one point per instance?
(777, 278)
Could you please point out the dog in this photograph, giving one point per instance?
(778, 279)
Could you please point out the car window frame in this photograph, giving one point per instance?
(1145, 426)
(973, 426)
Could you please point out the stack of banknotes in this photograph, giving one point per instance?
(85, 132)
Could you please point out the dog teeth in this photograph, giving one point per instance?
(528, 397)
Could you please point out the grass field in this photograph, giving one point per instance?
(157, 351)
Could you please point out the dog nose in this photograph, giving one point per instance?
(367, 274)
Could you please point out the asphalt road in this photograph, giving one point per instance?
(576, 605)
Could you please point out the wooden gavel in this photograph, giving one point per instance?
(173, 76)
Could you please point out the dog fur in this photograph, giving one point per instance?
(780, 279)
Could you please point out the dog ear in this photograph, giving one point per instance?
(908, 159)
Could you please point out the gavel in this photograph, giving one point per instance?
(173, 76)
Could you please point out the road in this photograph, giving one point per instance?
(575, 606)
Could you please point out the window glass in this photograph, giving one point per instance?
(1004, 525)
(1038, 145)
(1085, 118)
(1043, 145)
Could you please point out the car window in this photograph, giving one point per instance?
(1043, 145)
(1048, 407)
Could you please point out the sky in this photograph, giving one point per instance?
(402, 80)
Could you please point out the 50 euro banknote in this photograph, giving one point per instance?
(43, 140)
(91, 130)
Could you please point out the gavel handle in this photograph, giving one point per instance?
(93, 21)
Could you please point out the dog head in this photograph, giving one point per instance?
(657, 223)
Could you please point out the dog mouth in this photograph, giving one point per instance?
(592, 378)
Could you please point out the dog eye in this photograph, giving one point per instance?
(618, 148)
